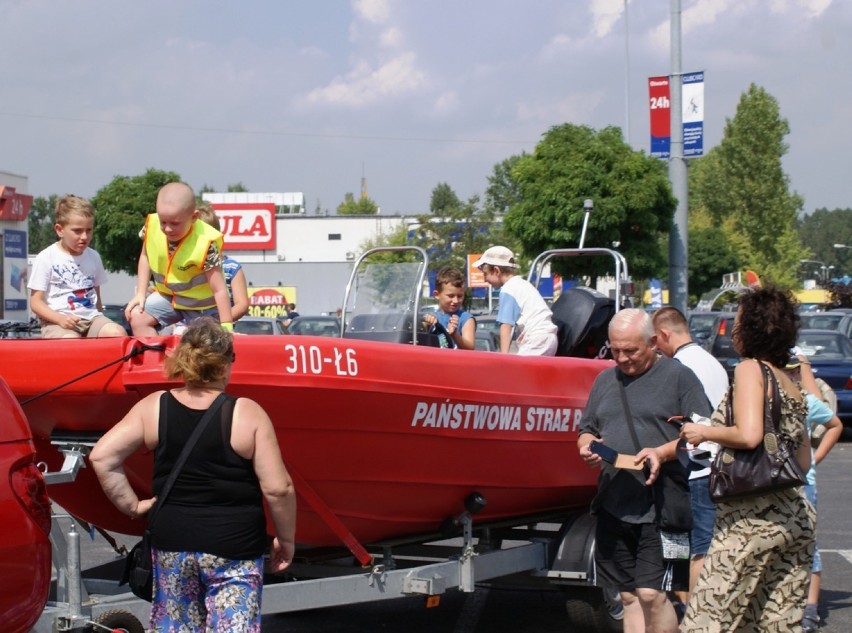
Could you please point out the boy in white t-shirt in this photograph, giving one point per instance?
(521, 305)
(66, 278)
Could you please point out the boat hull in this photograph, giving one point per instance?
(387, 439)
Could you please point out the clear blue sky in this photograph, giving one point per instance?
(309, 95)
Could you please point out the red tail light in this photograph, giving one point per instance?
(28, 486)
(849, 383)
(723, 327)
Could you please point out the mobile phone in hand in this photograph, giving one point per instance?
(678, 421)
(607, 454)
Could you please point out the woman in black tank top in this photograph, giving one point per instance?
(209, 533)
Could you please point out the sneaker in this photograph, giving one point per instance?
(810, 624)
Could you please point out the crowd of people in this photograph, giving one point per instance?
(751, 564)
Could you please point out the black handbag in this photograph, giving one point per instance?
(672, 497)
(139, 565)
(772, 465)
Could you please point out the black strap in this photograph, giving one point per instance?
(187, 449)
(775, 417)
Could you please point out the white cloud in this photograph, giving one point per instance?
(365, 86)
(605, 13)
(369, 82)
(375, 11)
(815, 8)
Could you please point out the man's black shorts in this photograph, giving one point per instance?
(629, 556)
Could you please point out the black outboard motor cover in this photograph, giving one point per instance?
(582, 317)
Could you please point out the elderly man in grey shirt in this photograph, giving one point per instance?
(628, 553)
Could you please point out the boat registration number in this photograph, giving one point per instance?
(310, 359)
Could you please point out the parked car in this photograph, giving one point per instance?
(489, 323)
(321, 325)
(259, 325)
(115, 313)
(486, 340)
(830, 353)
(839, 319)
(712, 330)
(25, 553)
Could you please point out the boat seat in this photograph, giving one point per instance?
(582, 317)
(387, 327)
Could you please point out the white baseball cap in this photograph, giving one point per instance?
(497, 256)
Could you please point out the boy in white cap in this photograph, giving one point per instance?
(521, 305)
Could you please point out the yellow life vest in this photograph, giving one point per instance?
(180, 276)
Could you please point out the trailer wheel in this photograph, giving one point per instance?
(593, 611)
(118, 620)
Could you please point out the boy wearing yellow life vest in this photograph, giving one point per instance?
(185, 259)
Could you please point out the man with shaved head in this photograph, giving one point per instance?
(650, 388)
(185, 259)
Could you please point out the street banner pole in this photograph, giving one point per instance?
(678, 251)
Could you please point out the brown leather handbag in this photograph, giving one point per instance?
(772, 465)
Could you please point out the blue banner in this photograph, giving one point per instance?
(693, 114)
(15, 243)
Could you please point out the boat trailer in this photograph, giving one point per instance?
(550, 551)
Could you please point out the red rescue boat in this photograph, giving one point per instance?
(384, 442)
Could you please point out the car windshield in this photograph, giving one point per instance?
(701, 325)
(821, 321)
(253, 327)
(315, 327)
(824, 345)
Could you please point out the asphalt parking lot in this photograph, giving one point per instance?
(494, 609)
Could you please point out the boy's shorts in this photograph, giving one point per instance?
(89, 328)
(161, 309)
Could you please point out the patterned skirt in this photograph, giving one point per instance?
(755, 576)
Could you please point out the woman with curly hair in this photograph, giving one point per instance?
(209, 534)
(755, 576)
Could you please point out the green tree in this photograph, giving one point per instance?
(503, 191)
(40, 223)
(444, 200)
(453, 229)
(742, 186)
(122, 206)
(821, 230)
(633, 203)
(362, 206)
(710, 258)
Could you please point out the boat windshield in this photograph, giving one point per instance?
(386, 287)
(383, 294)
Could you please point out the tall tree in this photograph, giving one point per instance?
(361, 206)
(743, 187)
(40, 223)
(633, 203)
(122, 206)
